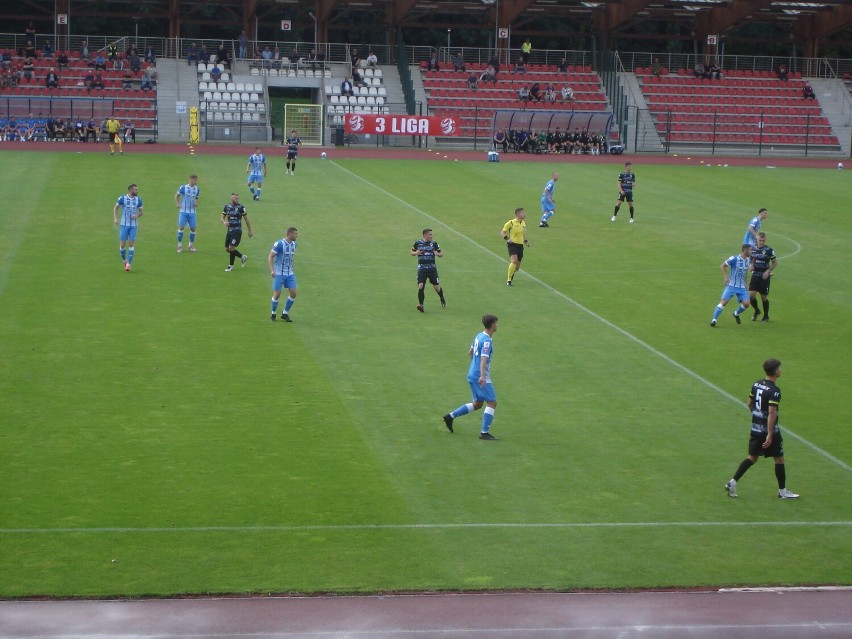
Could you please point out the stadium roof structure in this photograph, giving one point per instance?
(809, 20)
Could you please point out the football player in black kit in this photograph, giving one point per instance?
(426, 250)
(626, 180)
(763, 262)
(765, 439)
(293, 143)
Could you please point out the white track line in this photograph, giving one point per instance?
(603, 320)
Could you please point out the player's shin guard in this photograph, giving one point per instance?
(191, 237)
(487, 418)
(123, 253)
(274, 305)
(718, 311)
(130, 253)
(288, 304)
(740, 310)
(464, 409)
(180, 236)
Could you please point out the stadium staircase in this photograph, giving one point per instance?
(177, 84)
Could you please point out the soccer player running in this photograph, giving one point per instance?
(426, 250)
(256, 170)
(763, 262)
(280, 262)
(293, 143)
(514, 233)
(232, 218)
(479, 377)
(548, 205)
(765, 439)
(186, 200)
(126, 214)
(754, 223)
(735, 283)
(113, 126)
(626, 180)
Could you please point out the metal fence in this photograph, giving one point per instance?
(73, 108)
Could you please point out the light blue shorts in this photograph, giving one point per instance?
(187, 219)
(126, 233)
(256, 177)
(547, 206)
(283, 281)
(482, 393)
(730, 291)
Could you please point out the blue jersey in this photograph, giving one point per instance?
(188, 198)
(257, 161)
(481, 347)
(739, 270)
(284, 253)
(548, 190)
(750, 238)
(129, 205)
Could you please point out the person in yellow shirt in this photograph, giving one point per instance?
(113, 127)
(515, 234)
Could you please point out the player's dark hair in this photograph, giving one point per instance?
(519, 209)
(425, 231)
(130, 186)
(771, 366)
(489, 320)
(762, 234)
(761, 211)
(743, 247)
(291, 229)
(193, 176)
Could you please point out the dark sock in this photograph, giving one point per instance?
(615, 211)
(421, 295)
(631, 211)
(441, 294)
(294, 167)
(236, 253)
(753, 302)
(231, 257)
(766, 308)
(781, 476)
(744, 466)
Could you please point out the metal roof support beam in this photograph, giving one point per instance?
(810, 30)
(615, 14)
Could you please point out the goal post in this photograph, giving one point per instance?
(306, 119)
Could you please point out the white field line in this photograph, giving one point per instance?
(603, 320)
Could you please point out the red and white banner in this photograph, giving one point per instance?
(401, 124)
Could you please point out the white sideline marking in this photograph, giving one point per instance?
(603, 320)
(442, 526)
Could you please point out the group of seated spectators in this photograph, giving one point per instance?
(709, 70)
(535, 93)
(557, 141)
(271, 58)
(46, 129)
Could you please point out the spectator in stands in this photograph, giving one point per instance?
(243, 41)
(313, 58)
(47, 50)
(30, 31)
(458, 62)
(127, 80)
(51, 81)
(472, 80)
(85, 54)
(783, 74)
(346, 87)
(526, 50)
(294, 57)
(99, 61)
(129, 131)
(808, 92)
(500, 141)
(357, 79)
(524, 94)
(112, 52)
(495, 62)
(89, 81)
(521, 65)
(489, 75)
(154, 74)
(567, 94)
(135, 62)
(222, 55)
(98, 81)
(29, 51)
(276, 58)
(27, 69)
(372, 60)
(62, 61)
(150, 57)
(656, 68)
(216, 73)
(434, 65)
(535, 92)
(204, 53)
(146, 83)
(714, 71)
(550, 93)
(266, 54)
(193, 56)
(118, 64)
(563, 65)
(6, 59)
(699, 70)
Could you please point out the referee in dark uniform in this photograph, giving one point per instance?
(763, 262)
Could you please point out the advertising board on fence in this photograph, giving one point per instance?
(401, 124)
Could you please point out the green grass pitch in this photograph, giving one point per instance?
(160, 420)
